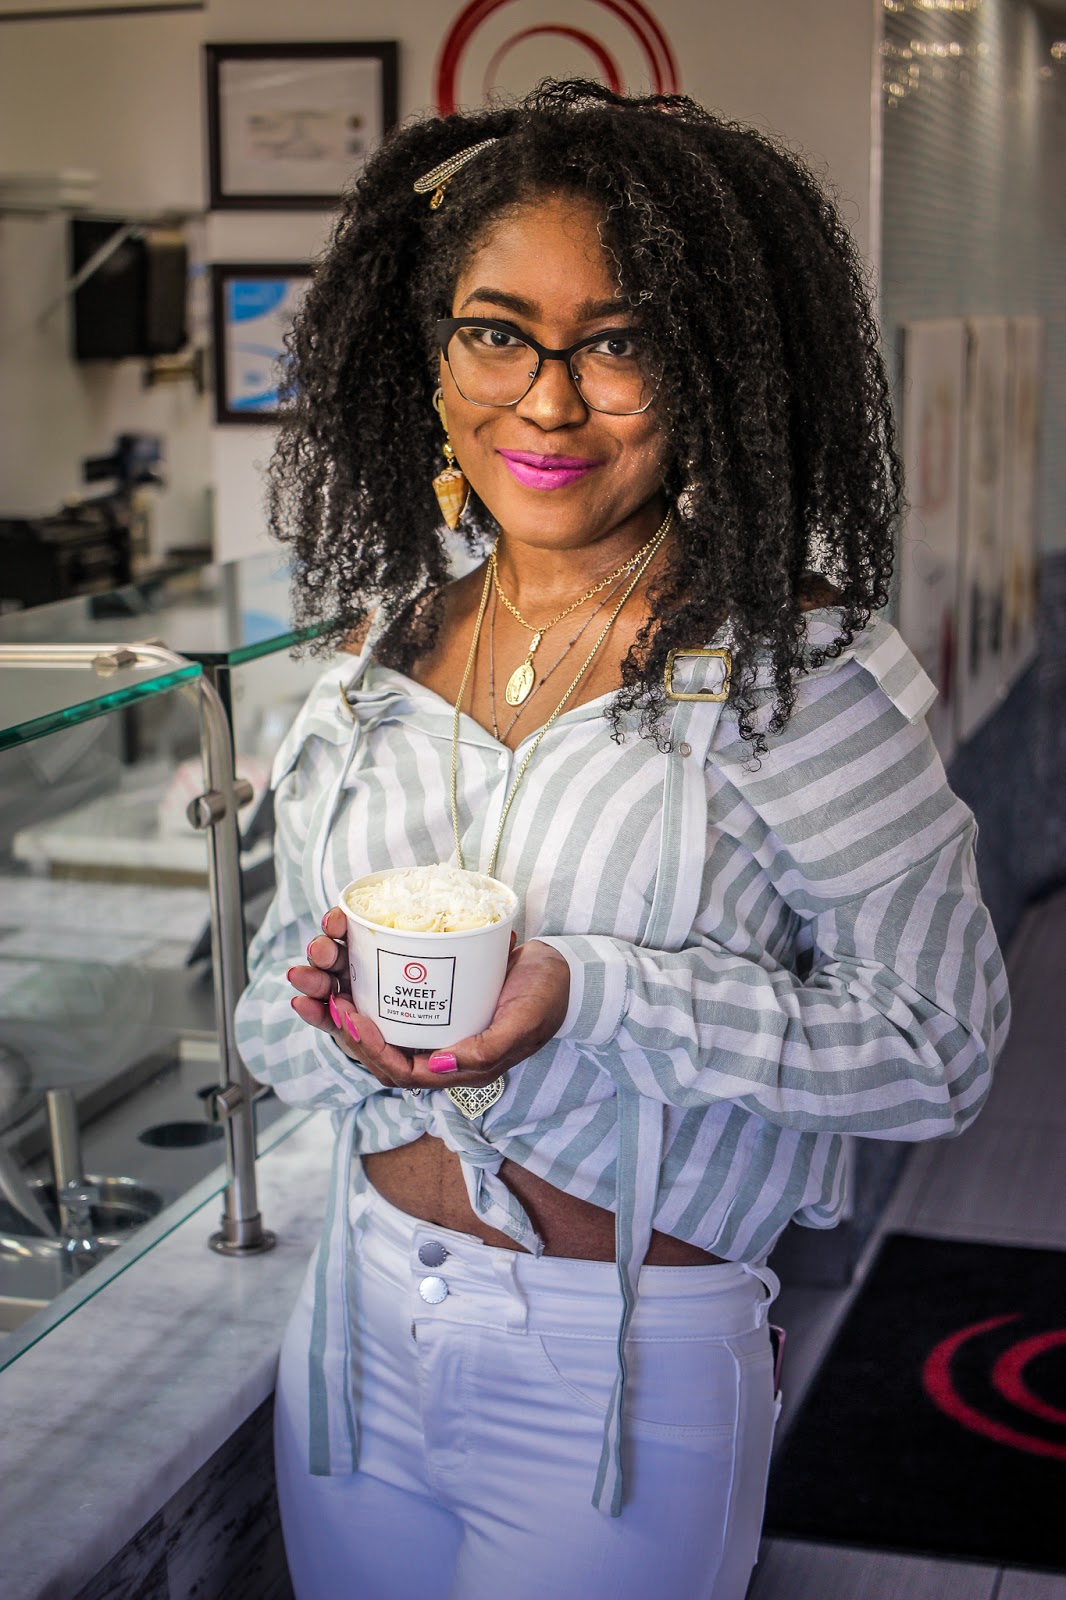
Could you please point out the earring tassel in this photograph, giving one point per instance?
(452, 492)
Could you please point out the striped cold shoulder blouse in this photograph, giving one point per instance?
(764, 957)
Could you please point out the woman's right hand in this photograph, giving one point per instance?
(324, 998)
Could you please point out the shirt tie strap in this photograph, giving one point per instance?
(333, 1446)
(640, 1149)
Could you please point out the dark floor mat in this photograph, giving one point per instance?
(937, 1422)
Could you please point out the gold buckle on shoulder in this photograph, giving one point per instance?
(701, 694)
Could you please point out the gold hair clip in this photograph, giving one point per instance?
(444, 174)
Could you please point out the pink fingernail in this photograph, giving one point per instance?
(343, 1020)
(443, 1063)
(322, 924)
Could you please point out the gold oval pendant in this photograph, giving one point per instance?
(519, 684)
(473, 1102)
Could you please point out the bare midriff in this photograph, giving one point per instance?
(425, 1180)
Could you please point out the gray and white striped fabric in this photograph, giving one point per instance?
(764, 956)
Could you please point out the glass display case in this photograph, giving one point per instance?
(122, 933)
(232, 617)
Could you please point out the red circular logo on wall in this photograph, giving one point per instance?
(635, 18)
(415, 972)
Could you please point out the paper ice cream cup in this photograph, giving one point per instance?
(424, 990)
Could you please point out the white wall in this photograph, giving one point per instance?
(119, 97)
(55, 411)
(122, 96)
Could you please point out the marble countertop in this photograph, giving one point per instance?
(108, 1415)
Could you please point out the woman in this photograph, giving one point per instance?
(532, 1353)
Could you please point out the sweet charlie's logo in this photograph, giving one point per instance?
(415, 991)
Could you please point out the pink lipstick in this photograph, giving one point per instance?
(544, 471)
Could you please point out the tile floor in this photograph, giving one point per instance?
(1001, 1182)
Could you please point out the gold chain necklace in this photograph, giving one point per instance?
(646, 556)
(520, 683)
(590, 619)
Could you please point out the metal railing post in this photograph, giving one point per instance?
(215, 811)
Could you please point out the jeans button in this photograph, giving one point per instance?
(433, 1290)
(432, 1254)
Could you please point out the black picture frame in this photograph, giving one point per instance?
(272, 287)
(309, 147)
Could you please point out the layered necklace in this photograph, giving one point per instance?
(635, 567)
(475, 1101)
(520, 683)
(499, 734)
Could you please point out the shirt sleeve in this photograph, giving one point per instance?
(887, 1006)
(303, 1064)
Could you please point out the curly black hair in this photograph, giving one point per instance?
(781, 453)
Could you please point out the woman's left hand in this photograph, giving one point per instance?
(530, 1011)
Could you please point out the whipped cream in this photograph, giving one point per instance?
(438, 899)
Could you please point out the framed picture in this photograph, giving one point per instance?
(24, 10)
(253, 306)
(289, 124)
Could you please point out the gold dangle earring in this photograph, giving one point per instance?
(450, 486)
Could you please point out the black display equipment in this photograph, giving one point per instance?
(134, 304)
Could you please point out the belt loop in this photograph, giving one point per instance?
(770, 1282)
(360, 1203)
(505, 1265)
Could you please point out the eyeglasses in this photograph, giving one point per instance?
(615, 371)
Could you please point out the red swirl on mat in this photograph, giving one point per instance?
(1008, 1379)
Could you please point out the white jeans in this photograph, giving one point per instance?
(481, 1420)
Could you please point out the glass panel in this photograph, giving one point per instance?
(280, 1125)
(107, 1028)
(37, 699)
(226, 613)
(265, 695)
